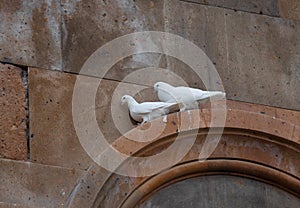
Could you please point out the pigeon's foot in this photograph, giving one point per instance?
(165, 119)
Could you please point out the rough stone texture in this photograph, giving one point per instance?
(231, 191)
(260, 70)
(13, 143)
(87, 189)
(30, 33)
(33, 185)
(246, 50)
(229, 39)
(237, 143)
(53, 137)
(87, 25)
(267, 7)
(290, 9)
(205, 27)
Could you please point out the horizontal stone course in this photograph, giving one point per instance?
(236, 42)
(56, 136)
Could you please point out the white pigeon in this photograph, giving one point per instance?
(188, 96)
(144, 112)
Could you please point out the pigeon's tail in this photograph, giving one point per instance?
(211, 94)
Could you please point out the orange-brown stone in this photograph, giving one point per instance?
(13, 143)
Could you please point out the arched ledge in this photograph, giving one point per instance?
(212, 167)
(287, 128)
(268, 157)
(265, 139)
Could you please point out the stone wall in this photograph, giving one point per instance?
(253, 44)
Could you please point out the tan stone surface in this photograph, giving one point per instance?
(235, 119)
(260, 70)
(35, 185)
(31, 33)
(52, 136)
(13, 143)
(90, 24)
(246, 50)
(289, 9)
(203, 26)
(239, 147)
(277, 120)
(53, 139)
(87, 189)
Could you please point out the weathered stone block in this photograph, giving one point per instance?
(290, 9)
(54, 138)
(87, 25)
(13, 143)
(260, 69)
(34, 185)
(31, 33)
(203, 26)
(246, 50)
(267, 7)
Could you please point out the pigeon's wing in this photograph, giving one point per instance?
(209, 94)
(148, 107)
(165, 95)
(185, 94)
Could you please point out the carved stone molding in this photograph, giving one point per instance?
(258, 142)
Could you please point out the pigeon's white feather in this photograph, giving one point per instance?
(143, 112)
(186, 95)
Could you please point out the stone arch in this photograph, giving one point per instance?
(258, 142)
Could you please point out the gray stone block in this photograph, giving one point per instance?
(263, 60)
(266, 7)
(205, 27)
(30, 33)
(88, 25)
(256, 56)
